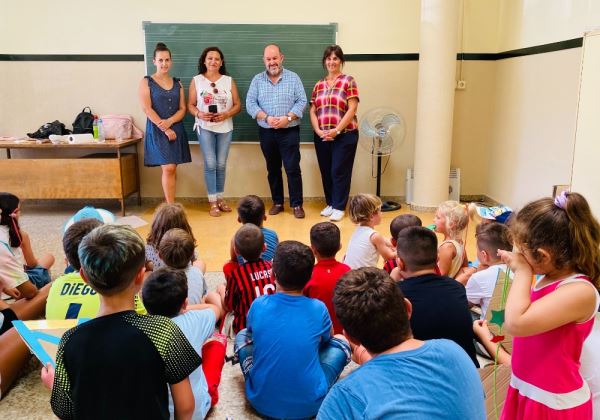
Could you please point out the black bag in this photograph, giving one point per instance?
(84, 122)
(54, 127)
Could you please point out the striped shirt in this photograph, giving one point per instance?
(331, 103)
(276, 99)
(390, 265)
(245, 283)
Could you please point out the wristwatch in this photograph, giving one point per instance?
(289, 118)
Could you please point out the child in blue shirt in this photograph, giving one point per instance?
(288, 357)
(406, 378)
(251, 209)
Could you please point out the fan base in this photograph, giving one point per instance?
(390, 206)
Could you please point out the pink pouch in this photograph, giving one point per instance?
(120, 127)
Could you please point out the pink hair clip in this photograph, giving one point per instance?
(560, 200)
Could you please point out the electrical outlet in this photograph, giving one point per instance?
(461, 85)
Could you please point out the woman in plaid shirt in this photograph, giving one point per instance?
(333, 107)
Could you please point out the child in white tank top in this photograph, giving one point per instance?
(366, 244)
(451, 220)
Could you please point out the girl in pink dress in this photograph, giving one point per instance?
(558, 239)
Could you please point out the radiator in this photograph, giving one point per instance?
(453, 185)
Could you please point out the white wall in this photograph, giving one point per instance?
(535, 99)
(534, 125)
(526, 23)
(586, 177)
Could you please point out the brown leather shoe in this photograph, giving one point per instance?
(214, 210)
(223, 206)
(275, 209)
(299, 212)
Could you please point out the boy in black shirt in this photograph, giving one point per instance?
(440, 307)
(118, 364)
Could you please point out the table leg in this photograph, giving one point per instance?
(7, 153)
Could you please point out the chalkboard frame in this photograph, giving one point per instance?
(242, 46)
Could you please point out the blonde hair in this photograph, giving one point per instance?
(456, 217)
(363, 206)
(569, 232)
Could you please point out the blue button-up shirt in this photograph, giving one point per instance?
(276, 99)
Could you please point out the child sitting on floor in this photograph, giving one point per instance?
(325, 243)
(249, 280)
(490, 238)
(165, 293)
(288, 357)
(251, 209)
(366, 244)
(451, 219)
(397, 224)
(22, 273)
(167, 216)
(176, 249)
(70, 297)
(406, 378)
(117, 364)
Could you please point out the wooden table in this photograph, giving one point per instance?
(107, 173)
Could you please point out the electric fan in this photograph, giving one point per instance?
(382, 129)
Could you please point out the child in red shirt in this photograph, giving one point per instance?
(325, 243)
(247, 281)
(397, 224)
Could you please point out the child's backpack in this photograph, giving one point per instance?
(84, 122)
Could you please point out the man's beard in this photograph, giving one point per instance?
(274, 70)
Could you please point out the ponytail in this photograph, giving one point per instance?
(8, 204)
(585, 236)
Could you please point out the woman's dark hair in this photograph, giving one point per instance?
(160, 47)
(8, 204)
(335, 49)
(202, 67)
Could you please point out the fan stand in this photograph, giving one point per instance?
(385, 205)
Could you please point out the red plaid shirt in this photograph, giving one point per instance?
(332, 103)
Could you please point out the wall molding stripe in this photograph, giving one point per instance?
(541, 49)
(521, 52)
(72, 57)
(382, 57)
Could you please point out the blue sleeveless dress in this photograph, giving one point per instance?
(158, 150)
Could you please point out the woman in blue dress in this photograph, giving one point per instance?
(163, 102)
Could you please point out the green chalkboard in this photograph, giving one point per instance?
(242, 45)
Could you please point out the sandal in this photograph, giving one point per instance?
(223, 206)
(214, 210)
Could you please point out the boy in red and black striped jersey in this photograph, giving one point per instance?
(399, 223)
(247, 281)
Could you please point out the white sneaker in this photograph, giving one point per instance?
(336, 215)
(326, 212)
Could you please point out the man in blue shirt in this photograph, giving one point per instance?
(276, 99)
(406, 378)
